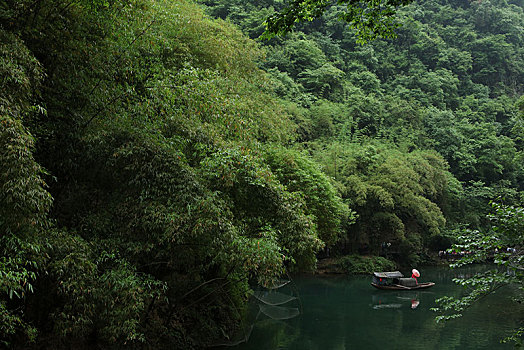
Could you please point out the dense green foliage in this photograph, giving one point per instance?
(156, 162)
(357, 264)
(398, 196)
(160, 141)
(448, 83)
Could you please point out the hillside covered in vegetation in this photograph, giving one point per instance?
(156, 160)
(418, 132)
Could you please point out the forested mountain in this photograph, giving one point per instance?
(156, 161)
(415, 130)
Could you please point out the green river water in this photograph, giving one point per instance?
(348, 313)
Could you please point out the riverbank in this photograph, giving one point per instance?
(354, 265)
(366, 264)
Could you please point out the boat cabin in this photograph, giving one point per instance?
(387, 278)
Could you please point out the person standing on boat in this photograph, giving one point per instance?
(415, 274)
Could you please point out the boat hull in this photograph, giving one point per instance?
(400, 287)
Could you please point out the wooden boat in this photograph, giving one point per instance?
(395, 280)
(401, 287)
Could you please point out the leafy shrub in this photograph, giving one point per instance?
(357, 264)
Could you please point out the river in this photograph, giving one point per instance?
(348, 313)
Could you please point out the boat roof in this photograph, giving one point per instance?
(391, 274)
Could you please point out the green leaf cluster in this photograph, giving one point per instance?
(503, 243)
(371, 19)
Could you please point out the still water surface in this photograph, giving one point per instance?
(348, 313)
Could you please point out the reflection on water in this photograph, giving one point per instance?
(348, 313)
(395, 300)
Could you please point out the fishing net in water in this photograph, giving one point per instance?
(279, 312)
(266, 302)
(273, 298)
